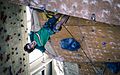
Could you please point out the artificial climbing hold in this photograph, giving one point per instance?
(104, 44)
(5, 30)
(22, 25)
(16, 48)
(13, 62)
(0, 48)
(69, 44)
(1, 57)
(19, 34)
(8, 57)
(12, 53)
(7, 38)
(16, 53)
(12, 48)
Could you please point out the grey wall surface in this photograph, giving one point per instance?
(71, 68)
(13, 59)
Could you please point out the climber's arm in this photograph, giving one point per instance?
(50, 54)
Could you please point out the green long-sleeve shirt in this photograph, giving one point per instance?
(41, 37)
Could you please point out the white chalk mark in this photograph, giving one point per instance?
(93, 2)
(85, 1)
(118, 5)
(64, 7)
(109, 1)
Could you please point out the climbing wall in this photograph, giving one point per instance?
(100, 41)
(13, 60)
(107, 11)
(101, 44)
(96, 39)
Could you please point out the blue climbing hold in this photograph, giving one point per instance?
(69, 44)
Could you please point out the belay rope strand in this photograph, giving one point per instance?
(68, 31)
(96, 70)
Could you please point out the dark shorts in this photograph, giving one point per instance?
(51, 24)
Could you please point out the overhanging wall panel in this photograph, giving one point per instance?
(68, 55)
(101, 41)
(98, 40)
(105, 10)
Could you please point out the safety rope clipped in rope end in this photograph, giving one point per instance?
(67, 19)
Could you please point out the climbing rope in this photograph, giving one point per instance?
(68, 31)
(95, 69)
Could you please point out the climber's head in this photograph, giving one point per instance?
(29, 47)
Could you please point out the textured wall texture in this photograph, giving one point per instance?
(100, 41)
(107, 11)
(13, 60)
(71, 68)
(87, 69)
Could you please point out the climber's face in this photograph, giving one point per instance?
(32, 44)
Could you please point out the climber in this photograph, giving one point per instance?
(40, 38)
